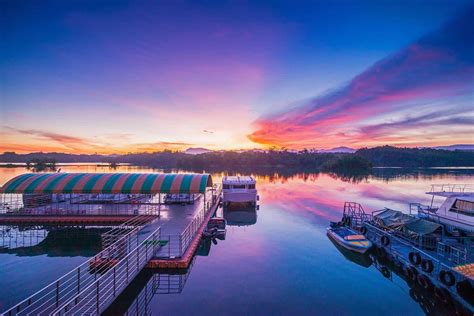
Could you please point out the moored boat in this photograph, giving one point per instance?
(349, 238)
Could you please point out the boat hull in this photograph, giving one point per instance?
(239, 197)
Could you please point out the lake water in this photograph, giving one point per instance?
(277, 260)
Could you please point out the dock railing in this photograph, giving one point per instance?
(443, 256)
(56, 293)
(174, 246)
(452, 188)
(102, 292)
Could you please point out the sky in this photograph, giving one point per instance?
(116, 77)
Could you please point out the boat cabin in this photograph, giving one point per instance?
(239, 189)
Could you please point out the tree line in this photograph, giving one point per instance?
(362, 160)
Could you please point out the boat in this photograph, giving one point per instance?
(456, 213)
(349, 238)
(215, 228)
(239, 189)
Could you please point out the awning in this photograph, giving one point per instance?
(403, 222)
(111, 183)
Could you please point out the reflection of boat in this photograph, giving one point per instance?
(363, 260)
(349, 239)
(241, 217)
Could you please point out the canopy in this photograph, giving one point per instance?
(397, 220)
(112, 183)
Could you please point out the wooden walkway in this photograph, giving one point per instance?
(185, 261)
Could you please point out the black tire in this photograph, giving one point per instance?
(414, 258)
(411, 273)
(465, 290)
(442, 295)
(363, 230)
(385, 241)
(424, 282)
(447, 278)
(427, 265)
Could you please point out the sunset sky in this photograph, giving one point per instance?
(114, 77)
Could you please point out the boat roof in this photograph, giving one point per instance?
(238, 180)
(110, 183)
(464, 191)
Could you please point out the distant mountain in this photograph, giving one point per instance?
(196, 150)
(465, 147)
(341, 149)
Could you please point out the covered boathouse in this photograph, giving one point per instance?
(95, 194)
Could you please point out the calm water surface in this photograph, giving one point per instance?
(277, 260)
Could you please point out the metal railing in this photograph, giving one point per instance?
(56, 293)
(452, 188)
(357, 214)
(96, 297)
(176, 245)
(123, 229)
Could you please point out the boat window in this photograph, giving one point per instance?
(225, 186)
(463, 207)
(239, 186)
(251, 186)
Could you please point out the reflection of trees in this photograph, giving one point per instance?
(38, 165)
(352, 177)
(270, 175)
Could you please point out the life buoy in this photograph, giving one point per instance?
(465, 290)
(411, 273)
(442, 295)
(385, 272)
(363, 230)
(414, 258)
(447, 278)
(385, 240)
(427, 265)
(424, 281)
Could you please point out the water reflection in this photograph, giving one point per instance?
(53, 241)
(241, 216)
(136, 298)
(428, 302)
(289, 229)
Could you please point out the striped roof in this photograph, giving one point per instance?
(133, 183)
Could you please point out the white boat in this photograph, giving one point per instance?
(457, 210)
(349, 239)
(239, 189)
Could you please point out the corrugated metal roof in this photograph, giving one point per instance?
(133, 183)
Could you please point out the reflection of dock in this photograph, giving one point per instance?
(135, 300)
(67, 219)
(51, 241)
